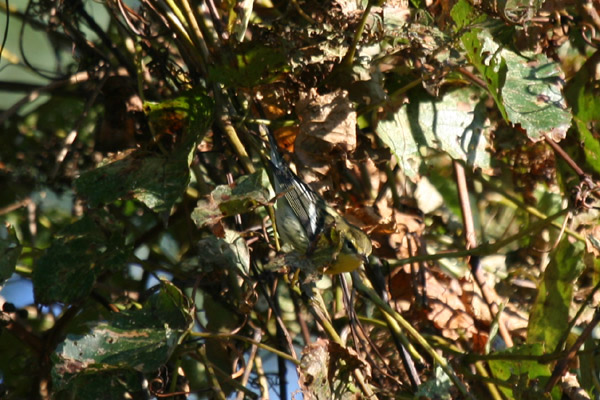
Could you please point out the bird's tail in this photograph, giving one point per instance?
(275, 157)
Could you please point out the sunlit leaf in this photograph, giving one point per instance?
(532, 95)
(455, 124)
(527, 88)
(525, 375)
(141, 349)
(480, 49)
(464, 14)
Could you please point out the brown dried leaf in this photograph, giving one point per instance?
(325, 371)
(448, 310)
(327, 125)
(274, 99)
(444, 306)
(286, 137)
(454, 307)
(473, 300)
(399, 238)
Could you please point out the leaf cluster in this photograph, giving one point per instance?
(461, 136)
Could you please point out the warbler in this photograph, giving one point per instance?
(310, 226)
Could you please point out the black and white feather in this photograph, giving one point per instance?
(305, 205)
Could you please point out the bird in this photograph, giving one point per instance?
(309, 225)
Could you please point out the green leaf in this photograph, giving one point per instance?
(10, 250)
(142, 349)
(526, 376)
(188, 115)
(532, 95)
(526, 87)
(16, 357)
(256, 64)
(248, 192)
(155, 179)
(590, 145)
(78, 255)
(456, 124)
(584, 95)
(481, 51)
(134, 340)
(464, 14)
(229, 252)
(549, 316)
(103, 383)
(583, 92)
(168, 307)
(589, 362)
(438, 387)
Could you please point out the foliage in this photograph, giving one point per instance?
(462, 136)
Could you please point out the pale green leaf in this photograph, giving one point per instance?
(550, 314)
(525, 377)
(455, 124)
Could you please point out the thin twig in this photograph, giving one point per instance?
(34, 94)
(562, 365)
(15, 206)
(516, 203)
(588, 300)
(407, 327)
(257, 338)
(567, 158)
(486, 291)
(242, 338)
(349, 56)
(70, 139)
(263, 383)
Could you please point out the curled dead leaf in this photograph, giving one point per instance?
(327, 125)
(325, 371)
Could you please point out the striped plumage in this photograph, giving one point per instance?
(307, 223)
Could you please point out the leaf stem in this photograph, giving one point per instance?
(385, 308)
(279, 353)
(349, 57)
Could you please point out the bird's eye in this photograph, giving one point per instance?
(349, 245)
